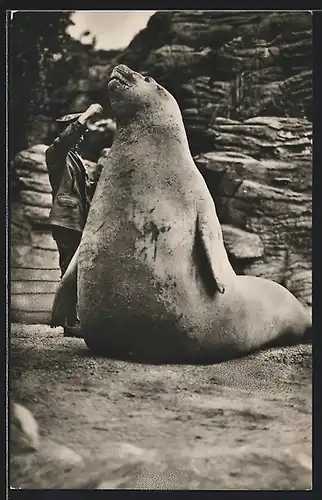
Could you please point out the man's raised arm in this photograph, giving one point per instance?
(72, 133)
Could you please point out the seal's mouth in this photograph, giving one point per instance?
(117, 81)
(120, 77)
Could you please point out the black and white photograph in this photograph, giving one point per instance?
(160, 225)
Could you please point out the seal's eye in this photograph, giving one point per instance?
(147, 79)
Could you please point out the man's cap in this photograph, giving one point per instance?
(68, 118)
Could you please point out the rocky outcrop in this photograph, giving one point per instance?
(240, 244)
(231, 64)
(250, 65)
(235, 65)
(264, 137)
(266, 199)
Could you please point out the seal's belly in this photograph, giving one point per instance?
(136, 271)
(130, 308)
(142, 274)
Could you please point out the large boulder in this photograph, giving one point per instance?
(31, 455)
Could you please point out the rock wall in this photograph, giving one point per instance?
(235, 65)
(230, 64)
(265, 206)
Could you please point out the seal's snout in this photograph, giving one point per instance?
(121, 77)
(122, 71)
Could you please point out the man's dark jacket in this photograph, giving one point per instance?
(68, 179)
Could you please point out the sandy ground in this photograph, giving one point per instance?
(243, 424)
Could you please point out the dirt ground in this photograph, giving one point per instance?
(243, 424)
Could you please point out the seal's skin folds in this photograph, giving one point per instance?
(154, 280)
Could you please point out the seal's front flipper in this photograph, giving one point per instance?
(210, 236)
(65, 300)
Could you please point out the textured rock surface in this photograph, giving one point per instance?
(270, 198)
(242, 244)
(231, 64)
(244, 424)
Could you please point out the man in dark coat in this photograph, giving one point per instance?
(71, 191)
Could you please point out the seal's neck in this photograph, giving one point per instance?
(153, 134)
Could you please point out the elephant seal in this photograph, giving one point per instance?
(154, 280)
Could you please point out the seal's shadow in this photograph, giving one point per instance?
(84, 352)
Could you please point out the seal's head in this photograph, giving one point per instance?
(134, 95)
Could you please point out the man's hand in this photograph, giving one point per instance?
(92, 110)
